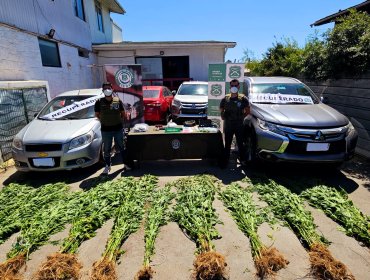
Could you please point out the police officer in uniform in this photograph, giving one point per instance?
(234, 107)
(109, 110)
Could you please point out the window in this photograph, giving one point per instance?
(151, 93)
(99, 16)
(79, 9)
(167, 92)
(49, 53)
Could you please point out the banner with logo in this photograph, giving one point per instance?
(219, 77)
(127, 85)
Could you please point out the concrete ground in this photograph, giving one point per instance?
(175, 252)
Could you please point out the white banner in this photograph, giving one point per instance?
(76, 106)
(280, 98)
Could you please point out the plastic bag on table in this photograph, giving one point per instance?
(140, 127)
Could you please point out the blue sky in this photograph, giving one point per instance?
(253, 25)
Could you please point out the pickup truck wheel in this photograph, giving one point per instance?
(250, 149)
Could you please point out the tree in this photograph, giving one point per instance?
(348, 45)
(282, 59)
(314, 66)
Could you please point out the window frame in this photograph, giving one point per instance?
(79, 12)
(99, 16)
(44, 63)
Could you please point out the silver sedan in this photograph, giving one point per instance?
(65, 135)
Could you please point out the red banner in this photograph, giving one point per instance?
(127, 85)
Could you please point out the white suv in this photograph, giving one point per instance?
(190, 101)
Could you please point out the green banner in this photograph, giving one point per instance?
(213, 107)
(217, 72)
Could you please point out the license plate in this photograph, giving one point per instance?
(317, 147)
(43, 162)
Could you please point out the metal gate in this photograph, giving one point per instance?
(17, 108)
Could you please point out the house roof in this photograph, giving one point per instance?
(364, 6)
(161, 44)
(114, 6)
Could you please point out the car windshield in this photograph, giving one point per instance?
(282, 94)
(61, 102)
(193, 89)
(151, 93)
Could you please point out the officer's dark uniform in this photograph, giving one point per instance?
(233, 116)
(111, 125)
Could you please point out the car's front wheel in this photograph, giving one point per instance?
(251, 148)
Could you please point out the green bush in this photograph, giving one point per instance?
(339, 52)
(348, 46)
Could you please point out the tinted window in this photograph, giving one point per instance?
(64, 101)
(193, 89)
(79, 9)
(151, 93)
(49, 53)
(99, 16)
(166, 92)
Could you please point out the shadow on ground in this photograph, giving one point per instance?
(37, 179)
(295, 176)
(299, 177)
(359, 168)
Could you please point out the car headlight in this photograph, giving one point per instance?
(17, 143)
(350, 128)
(176, 103)
(81, 140)
(270, 127)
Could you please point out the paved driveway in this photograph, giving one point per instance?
(175, 252)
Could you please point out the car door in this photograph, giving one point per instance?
(168, 97)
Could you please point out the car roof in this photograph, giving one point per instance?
(272, 80)
(195, 83)
(82, 92)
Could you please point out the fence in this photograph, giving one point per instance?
(17, 108)
(351, 97)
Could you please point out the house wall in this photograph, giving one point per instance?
(97, 36)
(199, 57)
(350, 97)
(20, 59)
(117, 35)
(40, 16)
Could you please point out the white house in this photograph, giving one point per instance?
(52, 40)
(169, 62)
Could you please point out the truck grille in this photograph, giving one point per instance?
(188, 105)
(193, 111)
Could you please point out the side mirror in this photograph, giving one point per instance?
(324, 99)
(173, 92)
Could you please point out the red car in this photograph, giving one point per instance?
(157, 103)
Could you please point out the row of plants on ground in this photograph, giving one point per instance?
(38, 213)
(290, 209)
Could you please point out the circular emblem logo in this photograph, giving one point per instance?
(216, 90)
(175, 144)
(235, 72)
(124, 78)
